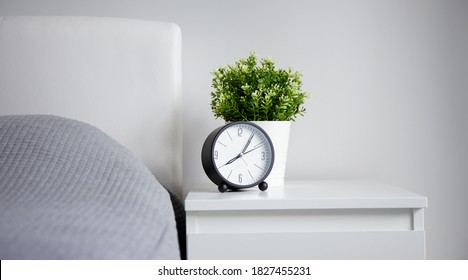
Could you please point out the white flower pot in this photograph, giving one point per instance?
(278, 131)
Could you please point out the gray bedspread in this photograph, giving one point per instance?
(69, 191)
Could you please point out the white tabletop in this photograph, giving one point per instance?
(328, 194)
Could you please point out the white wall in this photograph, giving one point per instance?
(388, 83)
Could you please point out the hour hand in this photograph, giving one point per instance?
(234, 159)
(231, 160)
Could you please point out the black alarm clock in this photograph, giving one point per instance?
(238, 155)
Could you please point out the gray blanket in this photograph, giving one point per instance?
(68, 191)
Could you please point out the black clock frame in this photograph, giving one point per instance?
(210, 167)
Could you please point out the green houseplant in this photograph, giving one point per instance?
(257, 91)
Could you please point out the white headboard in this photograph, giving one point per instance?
(120, 75)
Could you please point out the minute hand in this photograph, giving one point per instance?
(248, 143)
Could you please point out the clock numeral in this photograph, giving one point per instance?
(239, 132)
(240, 178)
(216, 154)
(263, 155)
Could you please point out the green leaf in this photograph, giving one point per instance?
(256, 90)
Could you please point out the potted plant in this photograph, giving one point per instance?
(257, 91)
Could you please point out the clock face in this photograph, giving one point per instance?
(242, 154)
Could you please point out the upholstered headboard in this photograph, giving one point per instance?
(120, 75)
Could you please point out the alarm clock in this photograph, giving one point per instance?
(238, 155)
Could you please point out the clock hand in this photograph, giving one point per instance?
(231, 160)
(248, 143)
(234, 159)
(254, 148)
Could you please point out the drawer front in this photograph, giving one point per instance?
(304, 220)
(307, 245)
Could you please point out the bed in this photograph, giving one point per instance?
(90, 139)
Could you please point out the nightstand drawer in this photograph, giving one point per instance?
(301, 220)
(311, 245)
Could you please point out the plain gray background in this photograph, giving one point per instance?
(388, 84)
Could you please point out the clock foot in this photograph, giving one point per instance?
(222, 187)
(263, 186)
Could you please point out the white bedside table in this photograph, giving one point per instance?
(306, 220)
